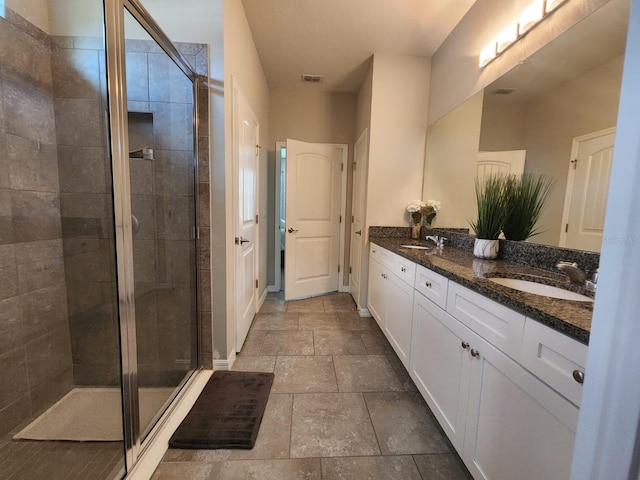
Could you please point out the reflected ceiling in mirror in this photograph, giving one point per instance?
(558, 105)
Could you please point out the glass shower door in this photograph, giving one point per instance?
(160, 100)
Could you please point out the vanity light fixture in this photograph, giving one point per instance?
(506, 37)
(529, 18)
(488, 53)
(551, 5)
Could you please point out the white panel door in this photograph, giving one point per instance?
(360, 154)
(509, 162)
(246, 172)
(313, 189)
(587, 192)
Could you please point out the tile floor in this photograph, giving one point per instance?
(342, 405)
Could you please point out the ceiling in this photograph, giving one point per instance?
(336, 38)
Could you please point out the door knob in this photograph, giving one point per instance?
(241, 240)
(359, 232)
(578, 376)
(292, 230)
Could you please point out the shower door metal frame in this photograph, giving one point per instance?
(118, 125)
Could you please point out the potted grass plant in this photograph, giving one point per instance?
(525, 199)
(490, 203)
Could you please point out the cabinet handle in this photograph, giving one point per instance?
(403, 270)
(428, 284)
(465, 345)
(578, 376)
(474, 353)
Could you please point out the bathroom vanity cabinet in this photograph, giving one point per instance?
(501, 385)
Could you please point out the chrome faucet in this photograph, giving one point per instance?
(439, 241)
(578, 276)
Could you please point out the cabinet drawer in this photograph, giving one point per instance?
(500, 325)
(432, 285)
(382, 255)
(553, 357)
(404, 269)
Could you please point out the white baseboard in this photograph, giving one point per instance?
(363, 312)
(272, 289)
(344, 288)
(261, 299)
(170, 421)
(226, 363)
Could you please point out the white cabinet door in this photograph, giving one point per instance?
(440, 365)
(377, 298)
(517, 426)
(399, 316)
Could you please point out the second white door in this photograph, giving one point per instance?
(313, 204)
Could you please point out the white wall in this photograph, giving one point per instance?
(400, 95)
(451, 163)
(241, 62)
(456, 74)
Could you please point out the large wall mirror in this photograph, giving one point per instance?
(558, 110)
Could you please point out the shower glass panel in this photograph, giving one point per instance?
(60, 366)
(160, 101)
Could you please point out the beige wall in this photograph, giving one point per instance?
(502, 124)
(456, 74)
(36, 11)
(241, 62)
(584, 105)
(452, 153)
(400, 95)
(309, 116)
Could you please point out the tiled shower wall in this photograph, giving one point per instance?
(35, 347)
(56, 223)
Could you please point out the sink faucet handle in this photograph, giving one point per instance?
(441, 241)
(562, 263)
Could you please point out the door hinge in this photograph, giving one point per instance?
(256, 219)
(195, 233)
(352, 218)
(340, 218)
(574, 162)
(566, 228)
(354, 165)
(338, 268)
(256, 283)
(350, 270)
(342, 167)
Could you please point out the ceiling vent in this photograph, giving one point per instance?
(306, 77)
(503, 91)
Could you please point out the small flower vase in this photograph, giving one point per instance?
(415, 230)
(484, 248)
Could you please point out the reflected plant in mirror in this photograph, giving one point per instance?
(525, 198)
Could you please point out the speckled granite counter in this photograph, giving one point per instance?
(572, 318)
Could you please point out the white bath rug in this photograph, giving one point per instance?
(91, 415)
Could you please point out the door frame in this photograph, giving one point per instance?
(236, 92)
(568, 194)
(361, 142)
(343, 215)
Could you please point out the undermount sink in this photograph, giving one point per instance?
(415, 247)
(541, 289)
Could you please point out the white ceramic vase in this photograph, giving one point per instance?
(483, 248)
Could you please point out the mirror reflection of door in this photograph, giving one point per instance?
(587, 191)
(509, 162)
(313, 215)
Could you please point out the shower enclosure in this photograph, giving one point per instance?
(99, 244)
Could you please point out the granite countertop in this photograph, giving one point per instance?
(573, 318)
